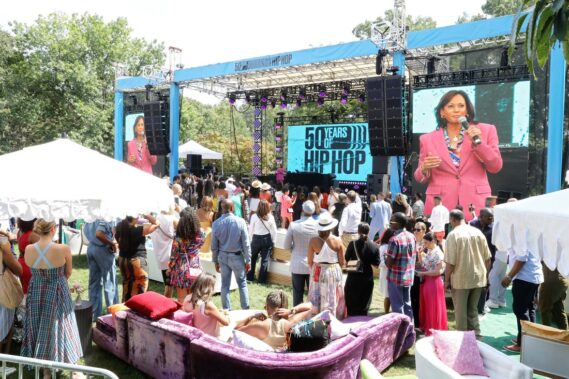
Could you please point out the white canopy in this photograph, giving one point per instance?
(192, 147)
(64, 180)
(540, 224)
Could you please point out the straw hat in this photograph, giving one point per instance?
(266, 187)
(326, 222)
(256, 184)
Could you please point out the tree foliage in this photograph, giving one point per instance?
(547, 24)
(363, 30)
(58, 78)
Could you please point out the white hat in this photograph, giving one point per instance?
(326, 222)
(308, 207)
(266, 187)
(256, 184)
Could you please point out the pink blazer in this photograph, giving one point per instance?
(465, 184)
(147, 160)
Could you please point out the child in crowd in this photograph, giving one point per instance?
(206, 315)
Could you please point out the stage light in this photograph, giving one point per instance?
(504, 59)
(232, 99)
(299, 102)
(322, 92)
(273, 103)
(263, 99)
(344, 99)
(320, 102)
(431, 65)
(362, 98)
(248, 98)
(263, 105)
(302, 94)
(283, 104)
(346, 90)
(283, 95)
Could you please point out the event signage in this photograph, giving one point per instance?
(256, 64)
(340, 149)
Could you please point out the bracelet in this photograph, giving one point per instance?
(292, 311)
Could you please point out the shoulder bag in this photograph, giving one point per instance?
(355, 266)
(11, 293)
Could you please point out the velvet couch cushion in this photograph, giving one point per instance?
(340, 359)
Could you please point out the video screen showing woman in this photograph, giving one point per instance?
(138, 154)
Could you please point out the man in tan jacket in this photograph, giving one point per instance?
(467, 260)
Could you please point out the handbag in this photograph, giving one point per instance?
(194, 272)
(308, 335)
(354, 266)
(11, 293)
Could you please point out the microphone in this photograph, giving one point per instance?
(464, 122)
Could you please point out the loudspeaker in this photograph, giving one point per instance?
(377, 183)
(385, 115)
(194, 162)
(157, 127)
(380, 165)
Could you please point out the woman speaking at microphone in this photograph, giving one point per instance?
(454, 159)
(138, 154)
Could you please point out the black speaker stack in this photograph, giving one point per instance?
(387, 136)
(157, 127)
(194, 162)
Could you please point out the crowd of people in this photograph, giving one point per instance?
(420, 255)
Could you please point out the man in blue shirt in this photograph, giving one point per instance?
(231, 253)
(102, 269)
(526, 275)
(380, 213)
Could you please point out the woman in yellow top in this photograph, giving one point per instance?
(205, 215)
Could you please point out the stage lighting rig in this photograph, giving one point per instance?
(232, 99)
(302, 93)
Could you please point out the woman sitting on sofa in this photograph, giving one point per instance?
(206, 316)
(273, 326)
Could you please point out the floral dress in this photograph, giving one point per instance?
(185, 255)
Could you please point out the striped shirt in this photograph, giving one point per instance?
(402, 250)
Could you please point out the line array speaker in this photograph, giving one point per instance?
(157, 127)
(377, 183)
(194, 162)
(385, 115)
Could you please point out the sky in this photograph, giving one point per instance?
(213, 31)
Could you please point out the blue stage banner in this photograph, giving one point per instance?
(340, 149)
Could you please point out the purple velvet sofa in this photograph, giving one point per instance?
(168, 349)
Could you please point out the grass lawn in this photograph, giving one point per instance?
(257, 293)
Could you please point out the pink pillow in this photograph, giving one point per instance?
(186, 318)
(459, 351)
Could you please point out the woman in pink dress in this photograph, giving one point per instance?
(138, 154)
(286, 208)
(280, 174)
(432, 309)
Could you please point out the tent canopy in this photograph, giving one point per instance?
(70, 181)
(192, 147)
(540, 224)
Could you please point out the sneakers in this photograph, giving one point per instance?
(492, 304)
(486, 309)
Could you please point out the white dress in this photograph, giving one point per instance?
(383, 271)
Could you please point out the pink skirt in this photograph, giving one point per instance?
(432, 309)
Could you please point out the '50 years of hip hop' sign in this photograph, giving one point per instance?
(340, 149)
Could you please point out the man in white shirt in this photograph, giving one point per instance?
(298, 236)
(162, 245)
(439, 218)
(380, 213)
(351, 218)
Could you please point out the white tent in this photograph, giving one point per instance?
(64, 180)
(192, 147)
(540, 224)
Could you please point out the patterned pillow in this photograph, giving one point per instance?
(459, 351)
(152, 305)
(338, 329)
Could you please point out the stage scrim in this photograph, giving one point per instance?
(339, 149)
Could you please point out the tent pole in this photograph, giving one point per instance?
(222, 173)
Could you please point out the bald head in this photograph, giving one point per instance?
(486, 216)
(227, 206)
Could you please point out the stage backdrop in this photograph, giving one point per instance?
(340, 149)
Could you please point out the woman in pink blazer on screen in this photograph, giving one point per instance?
(138, 154)
(451, 163)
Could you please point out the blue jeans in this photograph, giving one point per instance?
(260, 245)
(230, 263)
(400, 297)
(102, 275)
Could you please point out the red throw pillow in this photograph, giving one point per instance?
(152, 305)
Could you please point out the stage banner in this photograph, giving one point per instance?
(340, 149)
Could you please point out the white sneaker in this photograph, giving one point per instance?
(486, 309)
(503, 305)
(492, 304)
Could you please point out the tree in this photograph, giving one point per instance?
(465, 17)
(498, 8)
(548, 24)
(61, 79)
(363, 30)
